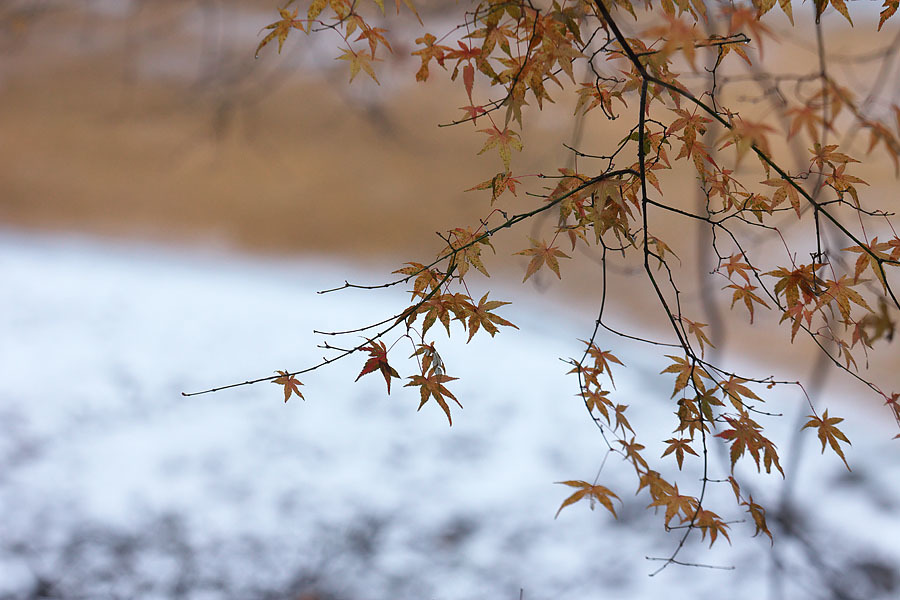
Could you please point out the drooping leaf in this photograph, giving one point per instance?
(594, 493)
(281, 29)
(829, 434)
(358, 60)
(378, 362)
(432, 386)
(480, 316)
(291, 385)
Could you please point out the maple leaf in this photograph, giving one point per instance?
(823, 155)
(503, 140)
(374, 37)
(280, 29)
(696, 329)
(429, 52)
(874, 327)
(425, 278)
(623, 424)
(602, 359)
(358, 60)
(736, 265)
(709, 522)
(894, 403)
(291, 385)
(598, 95)
(707, 400)
(378, 362)
(841, 292)
(765, 6)
(745, 293)
(795, 284)
(542, 254)
(656, 486)
(466, 243)
(889, 8)
(785, 189)
(745, 436)
(467, 54)
(734, 389)
(315, 8)
(662, 249)
(840, 5)
(439, 307)
(678, 35)
(498, 184)
(675, 503)
(409, 5)
(843, 182)
(687, 371)
(808, 116)
(758, 514)
(597, 400)
(432, 386)
(595, 493)
(480, 316)
(691, 414)
(679, 446)
(431, 360)
(797, 314)
(869, 257)
(494, 35)
(744, 17)
(829, 433)
(690, 124)
(473, 112)
(756, 204)
(746, 135)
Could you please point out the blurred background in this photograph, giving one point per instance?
(168, 208)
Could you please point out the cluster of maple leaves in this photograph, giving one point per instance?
(523, 52)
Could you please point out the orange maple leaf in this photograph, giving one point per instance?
(595, 493)
(281, 29)
(687, 370)
(841, 292)
(429, 52)
(425, 278)
(758, 514)
(480, 316)
(290, 384)
(675, 503)
(696, 329)
(745, 293)
(709, 522)
(602, 360)
(597, 400)
(745, 436)
(432, 386)
(679, 446)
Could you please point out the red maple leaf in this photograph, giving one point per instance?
(378, 362)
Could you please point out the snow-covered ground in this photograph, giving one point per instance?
(113, 485)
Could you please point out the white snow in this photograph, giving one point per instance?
(114, 485)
